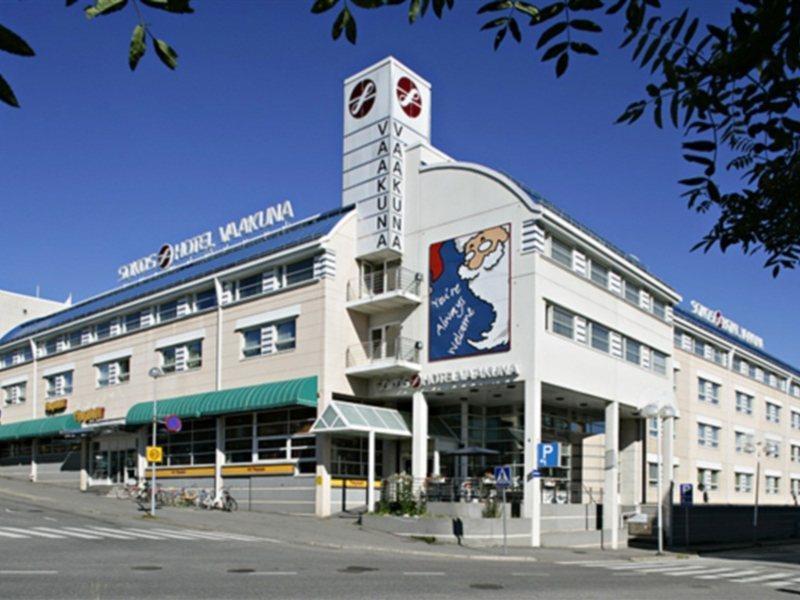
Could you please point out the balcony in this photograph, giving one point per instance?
(385, 289)
(382, 358)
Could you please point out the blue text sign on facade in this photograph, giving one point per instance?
(548, 455)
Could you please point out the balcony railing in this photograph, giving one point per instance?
(377, 283)
(393, 350)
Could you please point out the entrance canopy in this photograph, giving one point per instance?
(280, 394)
(348, 417)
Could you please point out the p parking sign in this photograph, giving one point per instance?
(548, 455)
(154, 454)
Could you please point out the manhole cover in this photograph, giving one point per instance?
(356, 569)
(241, 570)
(146, 568)
(485, 586)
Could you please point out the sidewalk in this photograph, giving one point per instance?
(334, 533)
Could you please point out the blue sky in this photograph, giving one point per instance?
(101, 164)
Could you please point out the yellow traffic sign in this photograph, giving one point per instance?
(155, 454)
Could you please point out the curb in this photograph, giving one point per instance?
(422, 553)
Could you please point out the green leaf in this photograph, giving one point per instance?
(651, 50)
(369, 3)
(700, 146)
(350, 29)
(165, 52)
(514, 27)
(527, 8)
(561, 65)
(104, 7)
(7, 94)
(414, 11)
(494, 23)
(585, 25)
(70, 2)
(498, 39)
(554, 51)
(495, 6)
(321, 6)
(690, 31)
(137, 48)
(551, 32)
(11, 42)
(583, 48)
(173, 6)
(676, 29)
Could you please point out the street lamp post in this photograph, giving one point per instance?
(653, 411)
(155, 373)
(757, 449)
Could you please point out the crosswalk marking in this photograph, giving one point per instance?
(140, 533)
(67, 533)
(34, 533)
(695, 572)
(114, 534)
(734, 573)
(82, 533)
(760, 578)
(10, 535)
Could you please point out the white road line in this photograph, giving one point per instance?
(767, 577)
(12, 535)
(13, 572)
(27, 532)
(142, 533)
(174, 536)
(109, 533)
(780, 583)
(645, 565)
(672, 568)
(704, 573)
(735, 573)
(589, 563)
(77, 534)
(208, 535)
(691, 572)
(84, 533)
(424, 573)
(530, 574)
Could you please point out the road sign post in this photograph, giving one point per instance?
(502, 481)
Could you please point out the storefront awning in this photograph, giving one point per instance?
(36, 428)
(281, 394)
(348, 417)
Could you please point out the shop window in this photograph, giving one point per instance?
(59, 384)
(349, 457)
(14, 394)
(194, 444)
(239, 439)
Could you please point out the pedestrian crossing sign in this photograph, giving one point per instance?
(502, 477)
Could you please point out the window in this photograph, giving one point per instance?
(632, 293)
(14, 394)
(743, 482)
(133, 321)
(707, 435)
(652, 474)
(708, 478)
(772, 448)
(167, 311)
(102, 330)
(773, 484)
(795, 453)
(678, 338)
(700, 348)
(194, 444)
(795, 419)
(49, 347)
(239, 439)
(795, 390)
(744, 442)
(659, 309)
(599, 274)
(707, 391)
(250, 286)
(59, 384)
(795, 488)
(349, 457)
(773, 413)
(652, 426)
(75, 338)
(300, 271)
(562, 322)
(113, 372)
(600, 337)
(744, 403)
(269, 338)
(205, 299)
(659, 362)
(182, 357)
(633, 351)
(560, 252)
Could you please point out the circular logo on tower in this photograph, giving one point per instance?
(362, 98)
(409, 97)
(165, 256)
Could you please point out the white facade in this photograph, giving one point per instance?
(18, 308)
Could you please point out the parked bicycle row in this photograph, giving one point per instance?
(181, 497)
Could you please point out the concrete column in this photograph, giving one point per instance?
(371, 471)
(667, 475)
(419, 440)
(437, 462)
(323, 479)
(611, 484)
(532, 508)
(464, 433)
(219, 456)
(83, 480)
(34, 460)
(141, 459)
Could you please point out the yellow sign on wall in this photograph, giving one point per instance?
(155, 454)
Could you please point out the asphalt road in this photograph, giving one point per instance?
(49, 552)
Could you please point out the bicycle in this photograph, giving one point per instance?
(126, 491)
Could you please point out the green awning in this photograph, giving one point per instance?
(35, 428)
(292, 392)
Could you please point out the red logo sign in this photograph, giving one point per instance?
(415, 381)
(165, 256)
(362, 98)
(409, 97)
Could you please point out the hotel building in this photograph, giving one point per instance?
(443, 306)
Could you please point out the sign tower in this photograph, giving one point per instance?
(386, 109)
